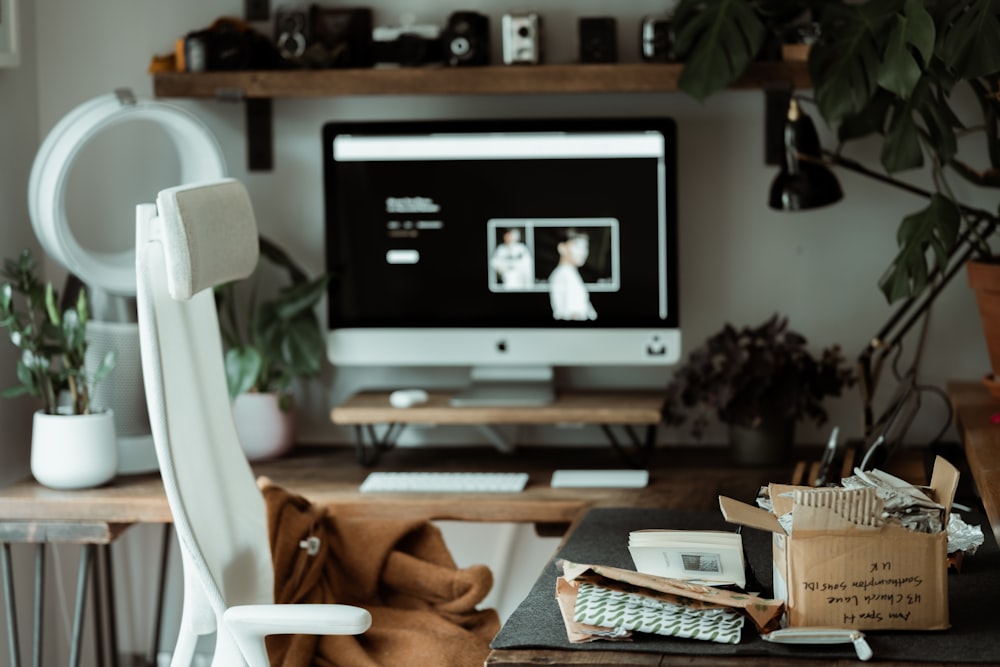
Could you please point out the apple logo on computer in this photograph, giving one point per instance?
(656, 347)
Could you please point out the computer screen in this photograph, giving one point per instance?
(508, 246)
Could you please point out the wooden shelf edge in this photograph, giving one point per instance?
(492, 80)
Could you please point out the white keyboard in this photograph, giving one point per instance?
(444, 482)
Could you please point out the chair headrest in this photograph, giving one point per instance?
(209, 235)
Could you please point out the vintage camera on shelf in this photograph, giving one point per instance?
(466, 39)
(228, 44)
(656, 39)
(409, 45)
(338, 37)
(522, 38)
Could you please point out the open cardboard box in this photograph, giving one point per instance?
(834, 573)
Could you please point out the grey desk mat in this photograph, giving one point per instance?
(602, 538)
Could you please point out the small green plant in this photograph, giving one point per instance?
(53, 343)
(753, 375)
(270, 342)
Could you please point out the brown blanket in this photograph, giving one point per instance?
(423, 606)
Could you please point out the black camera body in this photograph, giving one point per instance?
(339, 37)
(466, 39)
(408, 46)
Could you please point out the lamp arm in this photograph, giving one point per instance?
(902, 320)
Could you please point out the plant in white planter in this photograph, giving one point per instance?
(269, 343)
(52, 367)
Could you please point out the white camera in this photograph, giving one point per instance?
(522, 38)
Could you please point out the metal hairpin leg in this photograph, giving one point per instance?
(86, 559)
(154, 648)
(36, 632)
(10, 607)
(643, 447)
(368, 456)
(104, 609)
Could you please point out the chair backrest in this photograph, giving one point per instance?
(194, 238)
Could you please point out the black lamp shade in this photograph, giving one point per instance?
(804, 182)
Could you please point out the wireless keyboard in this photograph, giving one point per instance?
(444, 482)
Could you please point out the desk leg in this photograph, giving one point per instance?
(378, 444)
(154, 648)
(39, 603)
(10, 607)
(644, 448)
(86, 557)
(104, 609)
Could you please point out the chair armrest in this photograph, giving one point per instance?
(249, 624)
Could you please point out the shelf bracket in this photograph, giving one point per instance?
(260, 139)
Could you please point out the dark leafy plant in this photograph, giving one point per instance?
(53, 344)
(752, 375)
(886, 68)
(270, 342)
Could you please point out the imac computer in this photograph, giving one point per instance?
(511, 247)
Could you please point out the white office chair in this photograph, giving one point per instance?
(194, 238)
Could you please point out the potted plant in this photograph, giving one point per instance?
(270, 341)
(760, 381)
(897, 71)
(73, 442)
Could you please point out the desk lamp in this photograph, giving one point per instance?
(806, 182)
(110, 276)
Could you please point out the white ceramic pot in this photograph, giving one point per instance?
(266, 431)
(73, 451)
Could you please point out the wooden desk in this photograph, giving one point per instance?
(688, 477)
(974, 413)
(625, 409)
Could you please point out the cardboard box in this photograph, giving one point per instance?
(834, 572)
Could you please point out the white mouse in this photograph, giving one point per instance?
(407, 398)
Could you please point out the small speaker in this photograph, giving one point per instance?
(466, 39)
(598, 39)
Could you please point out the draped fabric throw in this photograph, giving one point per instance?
(423, 606)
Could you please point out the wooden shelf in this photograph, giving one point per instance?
(258, 88)
(492, 80)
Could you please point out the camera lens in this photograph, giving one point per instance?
(524, 31)
(460, 46)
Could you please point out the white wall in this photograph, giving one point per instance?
(740, 262)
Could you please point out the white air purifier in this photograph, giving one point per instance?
(109, 277)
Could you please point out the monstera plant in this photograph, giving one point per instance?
(896, 70)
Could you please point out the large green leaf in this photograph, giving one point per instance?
(911, 35)
(969, 39)
(717, 40)
(901, 148)
(243, 365)
(844, 62)
(933, 229)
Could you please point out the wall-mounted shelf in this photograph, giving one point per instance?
(493, 80)
(257, 88)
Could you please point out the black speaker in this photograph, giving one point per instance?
(466, 39)
(598, 39)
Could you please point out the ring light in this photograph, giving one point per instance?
(197, 150)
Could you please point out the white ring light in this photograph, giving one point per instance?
(200, 159)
